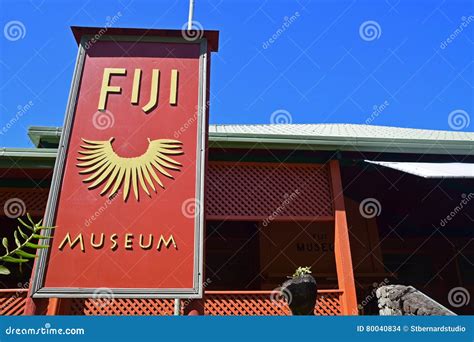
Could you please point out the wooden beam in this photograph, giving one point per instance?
(53, 306)
(342, 248)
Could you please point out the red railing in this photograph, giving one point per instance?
(266, 303)
(240, 303)
(12, 302)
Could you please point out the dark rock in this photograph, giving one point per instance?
(301, 293)
(398, 300)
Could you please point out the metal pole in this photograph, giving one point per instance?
(190, 16)
(177, 307)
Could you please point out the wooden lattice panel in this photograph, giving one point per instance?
(263, 303)
(219, 303)
(15, 201)
(260, 190)
(12, 302)
(238, 191)
(257, 304)
(329, 304)
(120, 307)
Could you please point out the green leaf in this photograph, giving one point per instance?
(43, 227)
(24, 236)
(19, 255)
(4, 270)
(30, 219)
(35, 246)
(8, 258)
(38, 228)
(26, 225)
(36, 236)
(5, 243)
(25, 254)
(17, 241)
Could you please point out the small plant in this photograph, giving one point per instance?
(301, 271)
(23, 241)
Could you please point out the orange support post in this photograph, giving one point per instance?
(53, 306)
(41, 306)
(342, 248)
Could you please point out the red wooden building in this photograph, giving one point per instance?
(362, 205)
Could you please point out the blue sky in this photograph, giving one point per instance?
(321, 66)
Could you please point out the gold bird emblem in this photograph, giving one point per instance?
(100, 159)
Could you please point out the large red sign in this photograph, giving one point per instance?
(127, 194)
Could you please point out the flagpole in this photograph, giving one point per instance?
(191, 13)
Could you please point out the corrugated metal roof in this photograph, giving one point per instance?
(349, 131)
(329, 137)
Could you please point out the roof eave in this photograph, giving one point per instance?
(38, 133)
(212, 36)
(340, 143)
(28, 152)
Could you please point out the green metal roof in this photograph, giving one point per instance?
(42, 135)
(34, 158)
